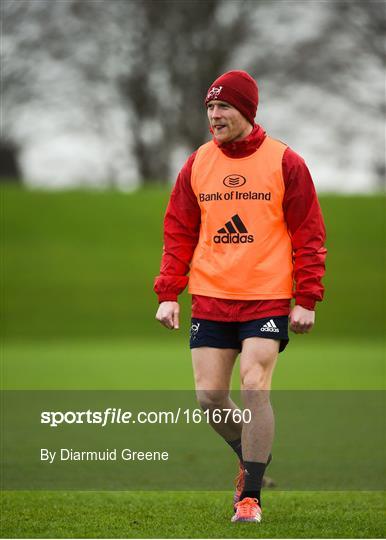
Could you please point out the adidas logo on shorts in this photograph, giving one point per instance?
(270, 326)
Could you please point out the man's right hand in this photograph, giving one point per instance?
(168, 315)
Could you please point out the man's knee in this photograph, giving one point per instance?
(255, 378)
(212, 399)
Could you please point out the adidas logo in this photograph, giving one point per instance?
(270, 326)
(234, 232)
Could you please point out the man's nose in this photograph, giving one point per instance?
(216, 112)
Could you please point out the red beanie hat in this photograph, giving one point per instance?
(239, 89)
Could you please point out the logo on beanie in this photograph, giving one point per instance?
(234, 180)
(214, 93)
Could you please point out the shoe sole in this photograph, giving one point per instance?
(248, 520)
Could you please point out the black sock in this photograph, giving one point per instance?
(254, 473)
(236, 445)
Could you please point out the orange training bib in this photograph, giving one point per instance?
(244, 250)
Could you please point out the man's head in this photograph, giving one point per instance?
(231, 105)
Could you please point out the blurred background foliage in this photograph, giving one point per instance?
(102, 94)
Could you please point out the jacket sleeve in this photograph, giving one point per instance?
(305, 224)
(181, 232)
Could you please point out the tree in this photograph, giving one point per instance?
(175, 58)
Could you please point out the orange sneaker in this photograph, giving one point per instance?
(247, 510)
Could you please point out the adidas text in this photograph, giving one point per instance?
(233, 238)
(269, 329)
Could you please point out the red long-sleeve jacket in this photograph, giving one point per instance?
(305, 225)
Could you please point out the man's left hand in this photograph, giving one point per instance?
(301, 320)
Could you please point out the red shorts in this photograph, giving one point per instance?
(220, 309)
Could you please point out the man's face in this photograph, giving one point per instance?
(227, 123)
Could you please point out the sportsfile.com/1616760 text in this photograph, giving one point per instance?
(113, 415)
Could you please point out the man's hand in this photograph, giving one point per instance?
(168, 315)
(301, 320)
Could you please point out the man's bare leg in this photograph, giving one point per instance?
(257, 362)
(212, 374)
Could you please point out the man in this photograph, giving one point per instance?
(244, 219)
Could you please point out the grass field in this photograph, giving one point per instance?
(187, 515)
(78, 313)
(81, 265)
(315, 364)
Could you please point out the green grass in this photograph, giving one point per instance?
(78, 313)
(307, 364)
(190, 515)
(81, 265)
